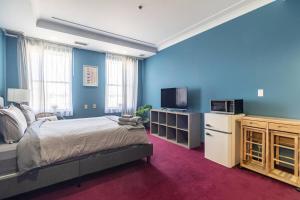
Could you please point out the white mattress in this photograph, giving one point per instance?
(8, 158)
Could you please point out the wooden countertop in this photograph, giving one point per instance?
(272, 119)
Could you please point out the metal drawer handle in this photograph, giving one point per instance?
(253, 123)
(208, 134)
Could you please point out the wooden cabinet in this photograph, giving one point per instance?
(270, 146)
(284, 153)
(254, 148)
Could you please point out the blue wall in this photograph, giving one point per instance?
(12, 80)
(88, 95)
(258, 50)
(2, 63)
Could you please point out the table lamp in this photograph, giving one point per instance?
(17, 95)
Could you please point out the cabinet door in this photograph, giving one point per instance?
(284, 153)
(254, 147)
(218, 147)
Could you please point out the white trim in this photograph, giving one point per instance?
(225, 15)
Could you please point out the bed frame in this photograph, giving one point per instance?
(14, 184)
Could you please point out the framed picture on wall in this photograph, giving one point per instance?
(90, 76)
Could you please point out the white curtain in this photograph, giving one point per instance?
(121, 88)
(50, 77)
(22, 62)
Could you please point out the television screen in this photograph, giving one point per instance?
(174, 98)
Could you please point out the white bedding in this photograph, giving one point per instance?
(52, 141)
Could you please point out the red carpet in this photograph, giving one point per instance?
(174, 173)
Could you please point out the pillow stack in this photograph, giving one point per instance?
(28, 113)
(130, 120)
(13, 124)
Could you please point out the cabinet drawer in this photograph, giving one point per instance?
(285, 127)
(252, 123)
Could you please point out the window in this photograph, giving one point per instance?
(50, 77)
(121, 84)
(114, 85)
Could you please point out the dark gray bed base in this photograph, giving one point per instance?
(12, 184)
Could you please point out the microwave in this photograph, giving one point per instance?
(234, 106)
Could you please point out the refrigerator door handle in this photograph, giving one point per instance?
(208, 125)
(208, 134)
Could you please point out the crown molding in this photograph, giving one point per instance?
(225, 15)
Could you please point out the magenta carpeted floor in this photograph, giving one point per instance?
(174, 173)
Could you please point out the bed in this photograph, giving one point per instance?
(52, 152)
(8, 158)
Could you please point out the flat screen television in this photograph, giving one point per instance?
(174, 98)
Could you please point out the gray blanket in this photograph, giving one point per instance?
(49, 142)
(28, 149)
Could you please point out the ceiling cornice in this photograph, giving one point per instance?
(225, 15)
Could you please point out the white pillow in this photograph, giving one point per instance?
(28, 114)
(12, 124)
(50, 118)
(19, 116)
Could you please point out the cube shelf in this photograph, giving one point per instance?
(182, 121)
(154, 117)
(171, 120)
(154, 128)
(171, 133)
(182, 137)
(182, 128)
(162, 118)
(162, 131)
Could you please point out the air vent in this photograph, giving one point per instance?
(81, 43)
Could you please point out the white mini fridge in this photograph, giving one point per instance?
(222, 138)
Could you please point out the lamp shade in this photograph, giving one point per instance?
(17, 95)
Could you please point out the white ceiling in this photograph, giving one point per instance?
(160, 23)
